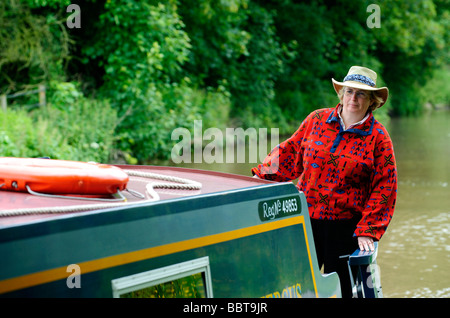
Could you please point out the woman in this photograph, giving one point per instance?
(344, 159)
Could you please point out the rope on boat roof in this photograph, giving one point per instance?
(183, 184)
(186, 184)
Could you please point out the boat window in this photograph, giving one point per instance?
(191, 279)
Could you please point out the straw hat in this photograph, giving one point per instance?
(362, 78)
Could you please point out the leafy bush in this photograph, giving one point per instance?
(71, 128)
(34, 45)
(17, 135)
(142, 51)
(156, 65)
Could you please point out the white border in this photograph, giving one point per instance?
(162, 275)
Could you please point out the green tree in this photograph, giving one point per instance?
(160, 65)
(411, 44)
(142, 46)
(235, 45)
(33, 47)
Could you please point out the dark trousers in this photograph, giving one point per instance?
(333, 239)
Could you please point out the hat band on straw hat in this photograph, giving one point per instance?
(360, 78)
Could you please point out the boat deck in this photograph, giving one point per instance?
(210, 182)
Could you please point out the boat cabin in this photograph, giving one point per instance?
(232, 236)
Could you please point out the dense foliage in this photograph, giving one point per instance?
(136, 70)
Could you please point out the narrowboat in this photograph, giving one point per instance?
(169, 232)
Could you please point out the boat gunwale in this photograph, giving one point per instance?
(120, 213)
(44, 217)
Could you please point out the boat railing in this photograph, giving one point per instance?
(365, 273)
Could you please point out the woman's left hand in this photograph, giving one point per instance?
(365, 243)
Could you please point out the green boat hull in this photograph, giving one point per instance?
(250, 242)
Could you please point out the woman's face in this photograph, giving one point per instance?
(356, 100)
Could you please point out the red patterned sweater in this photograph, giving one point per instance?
(344, 174)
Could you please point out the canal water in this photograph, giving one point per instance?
(414, 254)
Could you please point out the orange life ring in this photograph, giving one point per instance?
(60, 176)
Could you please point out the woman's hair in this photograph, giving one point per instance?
(375, 99)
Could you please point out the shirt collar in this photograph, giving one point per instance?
(339, 110)
(362, 129)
